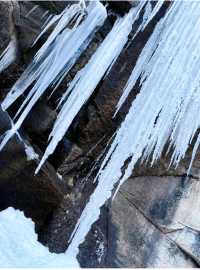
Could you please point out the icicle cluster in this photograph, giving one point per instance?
(166, 109)
(163, 111)
(55, 58)
(86, 80)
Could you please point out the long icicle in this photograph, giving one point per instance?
(168, 98)
(85, 82)
(9, 55)
(55, 58)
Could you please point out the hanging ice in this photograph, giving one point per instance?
(9, 54)
(55, 58)
(47, 25)
(149, 14)
(143, 60)
(163, 111)
(36, 70)
(86, 80)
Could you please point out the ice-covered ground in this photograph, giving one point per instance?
(19, 246)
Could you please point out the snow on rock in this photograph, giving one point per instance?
(19, 245)
(164, 109)
(55, 58)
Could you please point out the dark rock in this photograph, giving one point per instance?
(63, 221)
(55, 7)
(122, 7)
(28, 24)
(62, 150)
(70, 162)
(150, 218)
(37, 196)
(40, 120)
(6, 9)
(93, 252)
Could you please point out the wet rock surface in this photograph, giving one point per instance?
(150, 222)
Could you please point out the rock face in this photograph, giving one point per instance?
(6, 22)
(122, 7)
(153, 221)
(28, 23)
(152, 224)
(37, 195)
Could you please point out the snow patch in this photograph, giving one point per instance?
(19, 246)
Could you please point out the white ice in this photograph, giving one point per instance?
(86, 80)
(166, 109)
(55, 58)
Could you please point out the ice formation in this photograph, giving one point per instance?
(86, 80)
(55, 58)
(78, 92)
(20, 247)
(9, 54)
(149, 14)
(163, 111)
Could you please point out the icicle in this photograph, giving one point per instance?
(30, 152)
(152, 14)
(141, 62)
(9, 54)
(31, 11)
(169, 97)
(149, 14)
(86, 80)
(50, 23)
(37, 68)
(194, 154)
(55, 58)
(147, 51)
